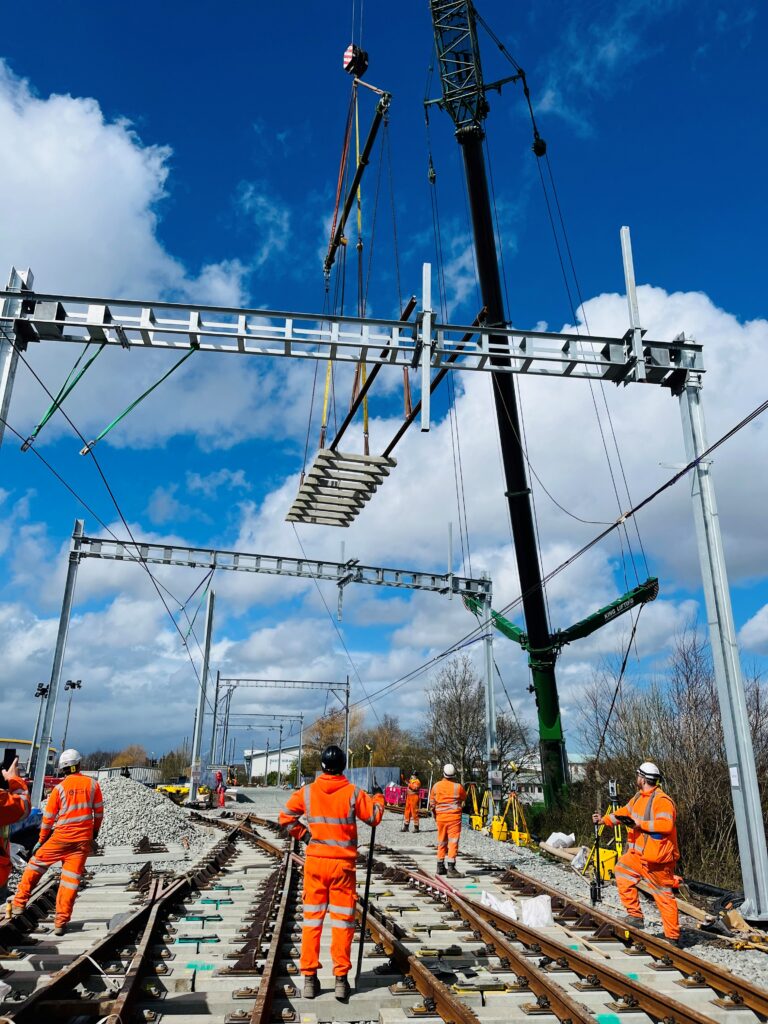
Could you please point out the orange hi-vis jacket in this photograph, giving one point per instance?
(14, 805)
(654, 838)
(331, 805)
(414, 784)
(74, 809)
(447, 799)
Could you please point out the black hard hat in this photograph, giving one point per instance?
(332, 760)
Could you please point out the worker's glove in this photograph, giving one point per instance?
(305, 837)
(377, 791)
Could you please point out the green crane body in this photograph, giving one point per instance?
(542, 660)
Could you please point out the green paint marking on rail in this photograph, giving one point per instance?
(575, 946)
(197, 966)
(632, 976)
(607, 1018)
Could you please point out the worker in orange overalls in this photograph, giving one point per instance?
(411, 812)
(446, 802)
(330, 805)
(14, 805)
(651, 852)
(71, 822)
(220, 789)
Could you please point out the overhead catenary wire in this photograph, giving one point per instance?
(474, 635)
(110, 491)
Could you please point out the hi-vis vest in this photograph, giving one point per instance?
(655, 838)
(447, 798)
(331, 817)
(74, 809)
(414, 785)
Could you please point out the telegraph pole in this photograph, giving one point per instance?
(461, 76)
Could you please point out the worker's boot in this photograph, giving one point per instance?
(450, 870)
(342, 989)
(17, 911)
(405, 827)
(633, 922)
(60, 929)
(441, 867)
(416, 827)
(311, 986)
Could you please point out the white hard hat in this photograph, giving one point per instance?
(449, 771)
(69, 758)
(649, 770)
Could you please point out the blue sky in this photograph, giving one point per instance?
(194, 157)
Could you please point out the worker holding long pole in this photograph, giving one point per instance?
(651, 853)
(331, 806)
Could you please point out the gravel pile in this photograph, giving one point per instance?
(132, 811)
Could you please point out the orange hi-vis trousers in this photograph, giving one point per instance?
(329, 886)
(72, 856)
(411, 812)
(448, 832)
(659, 878)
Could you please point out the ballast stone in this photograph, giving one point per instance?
(133, 811)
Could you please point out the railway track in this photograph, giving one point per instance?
(221, 943)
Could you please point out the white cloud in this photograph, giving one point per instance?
(754, 633)
(210, 483)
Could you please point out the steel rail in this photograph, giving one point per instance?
(446, 1003)
(262, 1008)
(632, 994)
(15, 928)
(43, 1003)
(738, 991)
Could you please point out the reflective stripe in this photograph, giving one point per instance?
(309, 923)
(664, 814)
(318, 819)
(315, 907)
(80, 807)
(71, 874)
(99, 806)
(307, 800)
(76, 819)
(340, 910)
(342, 924)
(335, 842)
(68, 885)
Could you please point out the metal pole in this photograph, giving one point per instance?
(38, 762)
(266, 764)
(298, 760)
(280, 758)
(9, 356)
(225, 737)
(39, 694)
(197, 741)
(346, 718)
(491, 742)
(215, 715)
(66, 722)
(750, 828)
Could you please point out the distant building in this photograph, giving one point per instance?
(257, 766)
(529, 781)
(22, 748)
